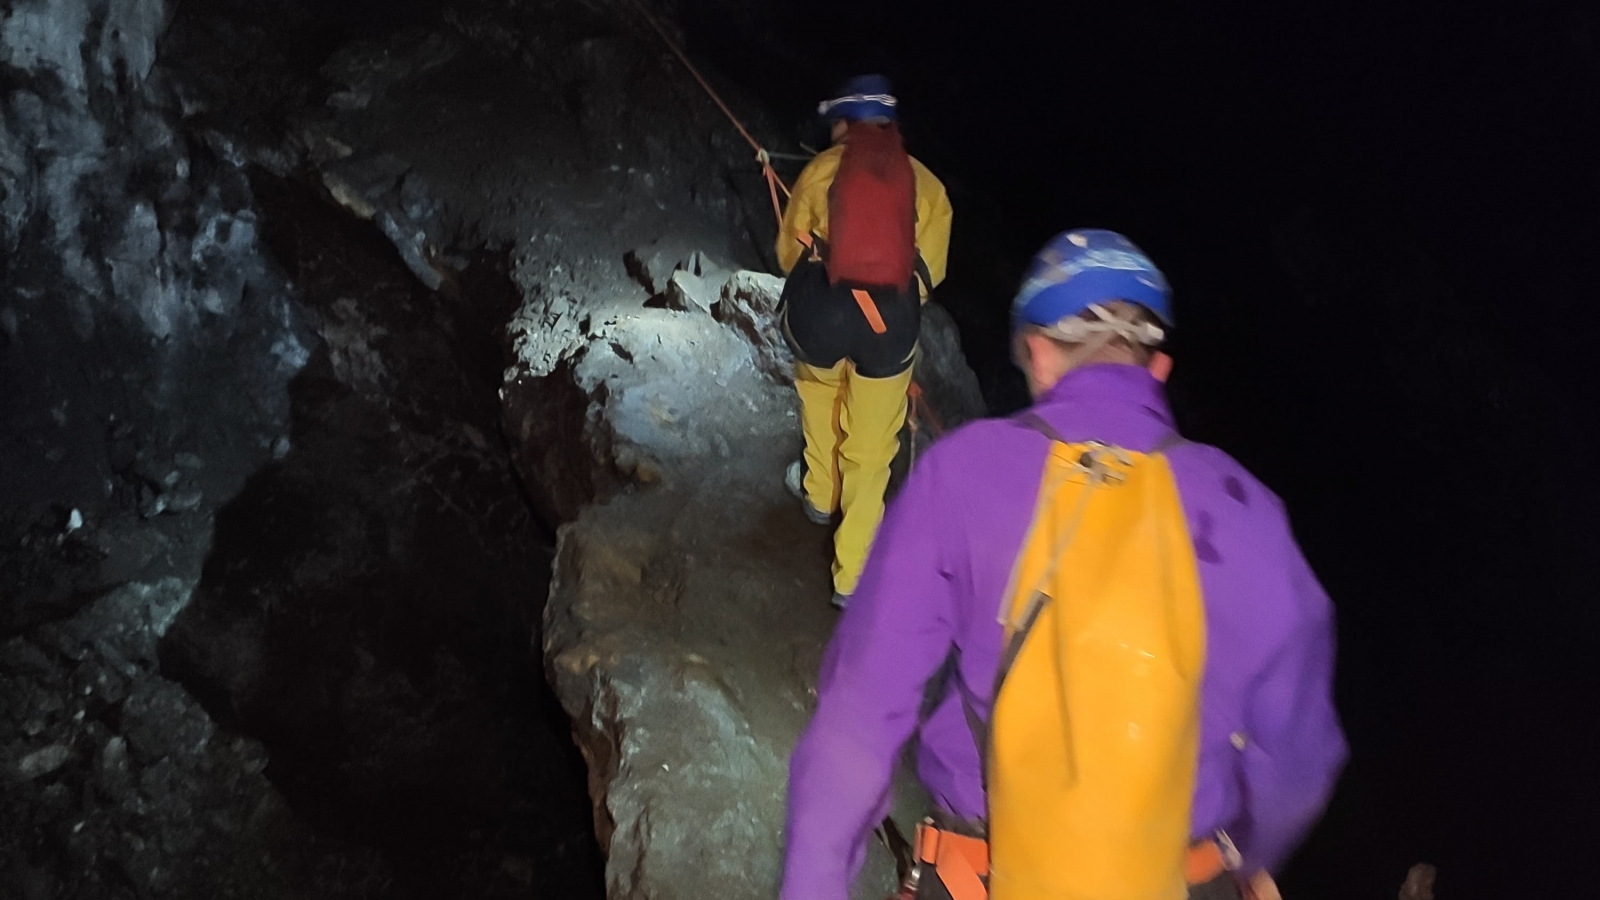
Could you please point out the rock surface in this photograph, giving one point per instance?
(142, 322)
(233, 448)
(119, 773)
(689, 610)
(262, 508)
(689, 602)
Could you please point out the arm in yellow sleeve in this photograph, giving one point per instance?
(933, 223)
(808, 207)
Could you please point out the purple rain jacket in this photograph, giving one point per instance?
(1270, 747)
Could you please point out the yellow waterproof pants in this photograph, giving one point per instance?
(852, 428)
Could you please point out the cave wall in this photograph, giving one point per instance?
(146, 344)
(133, 278)
(144, 319)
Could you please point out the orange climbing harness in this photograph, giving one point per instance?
(960, 864)
(917, 403)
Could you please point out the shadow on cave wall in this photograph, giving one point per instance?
(369, 607)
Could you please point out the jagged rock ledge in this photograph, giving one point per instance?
(688, 609)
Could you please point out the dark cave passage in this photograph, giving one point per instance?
(370, 605)
(368, 574)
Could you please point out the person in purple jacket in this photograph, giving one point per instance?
(1271, 746)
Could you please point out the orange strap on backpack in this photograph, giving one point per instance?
(870, 310)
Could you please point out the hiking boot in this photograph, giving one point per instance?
(794, 479)
(840, 601)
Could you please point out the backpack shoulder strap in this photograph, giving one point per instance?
(921, 267)
(1037, 423)
(918, 264)
(1171, 442)
(1032, 420)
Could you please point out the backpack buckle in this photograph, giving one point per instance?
(1096, 463)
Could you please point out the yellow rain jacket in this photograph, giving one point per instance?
(808, 213)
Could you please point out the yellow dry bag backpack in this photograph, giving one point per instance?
(1093, 741)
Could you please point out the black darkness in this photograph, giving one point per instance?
(1380, 223)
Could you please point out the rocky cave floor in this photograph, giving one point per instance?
(271, 644)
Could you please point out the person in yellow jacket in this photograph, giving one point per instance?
(864, 241)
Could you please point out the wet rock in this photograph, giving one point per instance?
(360, 183)
(185, 499)
(411, 240)
(384, 189)
(703, 265)
(42, 762)
(749, 303)
(689, 292)
(545, 331)
(686, 278)
(651, 267)
(948, 384)
(687, 616)
(152, 502)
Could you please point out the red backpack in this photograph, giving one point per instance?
(872, 210)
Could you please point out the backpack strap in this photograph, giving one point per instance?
(1036, 422)
(920, 265)
(1170, 441)
(869, 309)
(1008, 658)
(815, 244)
